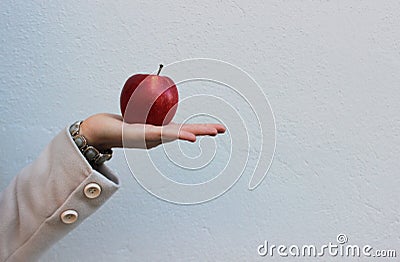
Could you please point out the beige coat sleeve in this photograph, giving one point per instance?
(49, 198)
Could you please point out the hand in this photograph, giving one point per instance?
(104, 131)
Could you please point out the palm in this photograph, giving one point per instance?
(109, 130)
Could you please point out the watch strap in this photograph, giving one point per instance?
(92, 154)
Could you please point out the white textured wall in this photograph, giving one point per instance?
(331, 70)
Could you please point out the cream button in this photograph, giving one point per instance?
(69, 216)
(92, 190)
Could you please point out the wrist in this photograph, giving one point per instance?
(92, 137)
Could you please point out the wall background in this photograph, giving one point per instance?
(329, 68)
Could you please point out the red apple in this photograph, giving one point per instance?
(150, 99)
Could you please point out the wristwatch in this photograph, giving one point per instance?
(93, 155)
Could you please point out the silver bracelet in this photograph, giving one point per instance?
(93, 155)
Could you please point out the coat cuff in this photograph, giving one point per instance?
(60, 189)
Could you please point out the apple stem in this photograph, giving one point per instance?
(159, 70)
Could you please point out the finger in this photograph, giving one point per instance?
(200, 129)
(188, 136)
(171, 133)
(220, 128)
(191, 127)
